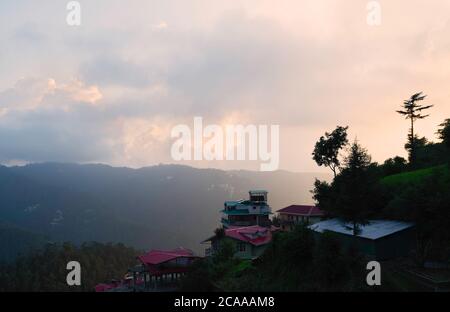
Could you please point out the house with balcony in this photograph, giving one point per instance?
(246, 225)
(292, 215)
(249, 212)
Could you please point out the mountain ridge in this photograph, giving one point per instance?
(161, 206)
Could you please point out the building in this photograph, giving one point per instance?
(249, 242)
(156, 269)
(378, 240)
(246, 225)
(166, 263)
(296, 214)
(254, 211)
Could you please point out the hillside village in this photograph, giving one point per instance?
(397, 213)
(246, 226)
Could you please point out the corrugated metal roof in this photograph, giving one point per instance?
(374, 230)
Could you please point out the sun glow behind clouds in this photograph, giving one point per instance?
(143, 67)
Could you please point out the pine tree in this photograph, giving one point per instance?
(413, 111)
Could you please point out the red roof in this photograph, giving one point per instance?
(103, 287)
(303, 210)
(255, 235)
(160, 256)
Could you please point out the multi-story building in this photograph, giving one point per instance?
(253, 211)
(246, 225)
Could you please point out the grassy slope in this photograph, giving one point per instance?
(396, 280)
(414, 176)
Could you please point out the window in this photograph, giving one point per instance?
(257, 198)
(241, 247)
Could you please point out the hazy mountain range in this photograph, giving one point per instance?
(162, 206)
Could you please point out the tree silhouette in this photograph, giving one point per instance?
(326, 150)
(353, 195)
(444, 132)
(355, 190)
(413, 111)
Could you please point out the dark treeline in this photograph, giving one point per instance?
(415, 190)
(45, 269)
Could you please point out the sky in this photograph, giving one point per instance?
(111, 89)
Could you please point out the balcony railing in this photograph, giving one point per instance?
(246, 223)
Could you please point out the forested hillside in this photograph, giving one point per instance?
(45, 269)
(155, 207)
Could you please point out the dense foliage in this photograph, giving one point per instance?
(294, 261)
(45, 269)
(355, 194)
(396, 190)
(424, 198)
(15, 241)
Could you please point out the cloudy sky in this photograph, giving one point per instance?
(111, 89)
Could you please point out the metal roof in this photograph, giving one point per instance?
(374, 230)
